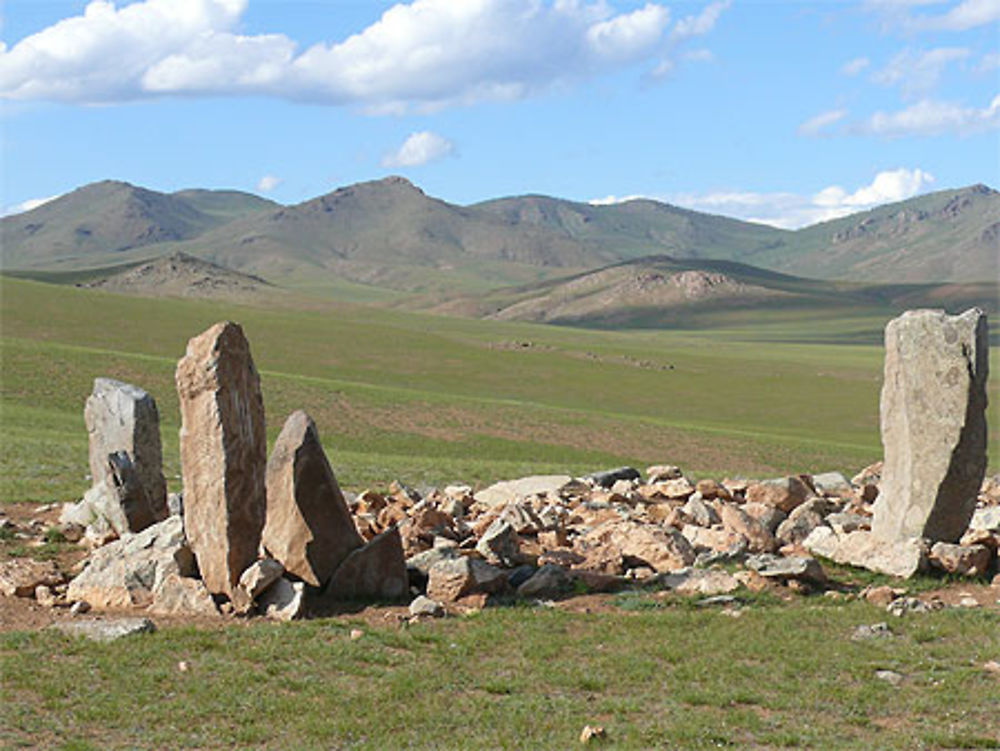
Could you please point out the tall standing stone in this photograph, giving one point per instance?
(223, 454)
(121, 417)
(309, 527)
(933, 424)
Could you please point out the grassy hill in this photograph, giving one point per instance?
(662, 291)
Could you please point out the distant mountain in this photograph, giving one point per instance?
(104, 219)
(389, 234)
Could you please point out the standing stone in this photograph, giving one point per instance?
(121, 417)
(223, 454)
(308, 527)
(377, 571)
(933, 424)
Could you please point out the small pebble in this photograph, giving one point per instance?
(183, 666)
(356, 633)
(79, 607)
(591, 733)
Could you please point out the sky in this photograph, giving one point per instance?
(787, 113)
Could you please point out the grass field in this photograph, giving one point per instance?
(433, 399)
(654, 673)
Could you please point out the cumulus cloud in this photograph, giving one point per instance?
(855, 66)
(268, 183)
(788, 210)
(814, 126)
(933, 118)
(419, 55)
(31, 203)
(988, 62)
(420, 148)
(917, 73)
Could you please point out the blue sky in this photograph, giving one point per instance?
(784, 112)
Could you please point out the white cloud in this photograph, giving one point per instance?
(933, 118)
(815, 125)
(962, 16)
(419, 55)
(918, 73)
(704, 22)
(855, 66)
(268, 183)
(420, 148)
(989, 62)
(699, 56)
(791, 210)
(968, 14)
(31, 203)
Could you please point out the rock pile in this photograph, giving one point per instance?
(279, 537)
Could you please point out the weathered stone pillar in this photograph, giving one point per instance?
(223, 454)
(933, 414)
(121, 417)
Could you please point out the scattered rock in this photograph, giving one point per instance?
(549, 581)
(105, 629)
(661, 472)
(904, 605)
(933, 413)
(308, 528)
(592, 734)
(283, 600)
(609, 477)
(800, 568)
(861, 548)
(223, 454)
(526, 487)
(20, 577)
(965, 560)
(181, 595)
(499, 544)
(450, 580)
(376, 571)
(258, 577)
(784, 494)
(874, 631)
(128, 571)
(697, 581)
(425, 606)
(736, 520)
(889, 676)
(882, 596)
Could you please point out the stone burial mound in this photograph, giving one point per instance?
(277, 536)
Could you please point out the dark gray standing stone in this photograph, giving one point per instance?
(121, 417)
(223, 454)
(309, 527)
(933, 415)
(376, 571)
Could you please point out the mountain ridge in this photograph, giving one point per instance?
(389, 233)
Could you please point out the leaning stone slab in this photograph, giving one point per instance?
(933, 414)
(223, 454)
(309, 528)
(121, 417)
(862, 549)
(105, 630)
(376, 571)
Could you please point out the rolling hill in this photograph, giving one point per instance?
(658, 291)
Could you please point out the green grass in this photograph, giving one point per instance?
(432, 400)
(780, 676)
